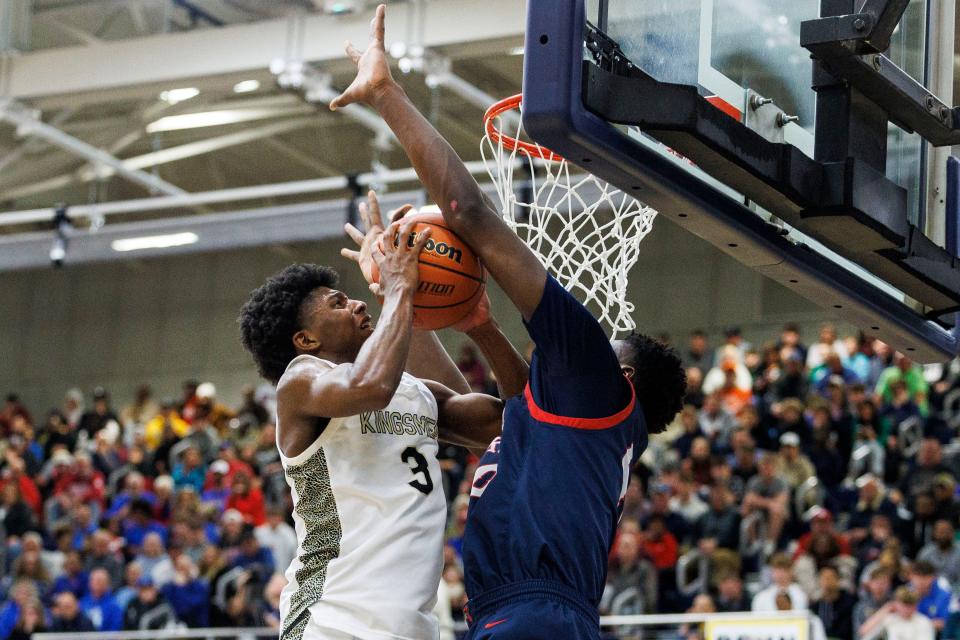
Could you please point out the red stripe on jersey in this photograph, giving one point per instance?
(580, 423)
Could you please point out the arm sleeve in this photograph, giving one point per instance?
(574, 371)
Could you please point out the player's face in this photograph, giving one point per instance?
(339, 324)
(624, 355)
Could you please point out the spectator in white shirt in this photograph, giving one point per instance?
(279, 537)
(899, 620)
(781, 572)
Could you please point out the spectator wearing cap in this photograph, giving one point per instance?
(899, 620)
(835, 605)
(215, 413)
(67, 616)
(168, 421)
(154, 560)
(822, 523)
(233, 526)
(781, 575)
(188, 594)
(794, 467)
(217, 487)
(933, 598)
(278, 536)
(247, 498)
(99, 606)
(942, 552)
(99, 416)
(149, 609)
(228, 453)
(875, 592)
(768, 494)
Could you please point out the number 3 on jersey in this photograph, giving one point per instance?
(420, 466)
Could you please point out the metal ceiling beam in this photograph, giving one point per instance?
(89, 173)
(174, 58)
(239, 194)
(28, 124)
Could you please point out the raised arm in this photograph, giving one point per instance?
(369, 382)
(427, 358)
(465, 208)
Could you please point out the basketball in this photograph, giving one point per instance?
(452, 279)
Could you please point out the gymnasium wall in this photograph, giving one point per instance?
(164, 320)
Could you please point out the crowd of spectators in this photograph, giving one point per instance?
(160, 515)
(820, 477)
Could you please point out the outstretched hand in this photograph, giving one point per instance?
(373, 71)
(367, 240)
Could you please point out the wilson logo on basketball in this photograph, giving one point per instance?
(441, 249)
(435, 288)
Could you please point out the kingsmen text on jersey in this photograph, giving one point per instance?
(369, 513)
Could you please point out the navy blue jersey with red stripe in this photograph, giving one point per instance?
(547, 494)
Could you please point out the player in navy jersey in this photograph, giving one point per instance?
(547, 494)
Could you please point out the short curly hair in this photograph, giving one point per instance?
(272, 315)
(659, 379)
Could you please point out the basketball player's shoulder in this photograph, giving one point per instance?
(301, 372)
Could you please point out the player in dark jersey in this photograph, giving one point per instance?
(547, 494)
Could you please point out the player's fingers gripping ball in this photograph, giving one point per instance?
(452, 278)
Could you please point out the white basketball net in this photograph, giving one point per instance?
(586, 232)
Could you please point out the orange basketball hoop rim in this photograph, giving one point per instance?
(511, 143)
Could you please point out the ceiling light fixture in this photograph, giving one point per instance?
(220, 117)
(155, 242)
(246, 86)
(173, 96)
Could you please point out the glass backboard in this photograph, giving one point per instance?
(737, 51)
